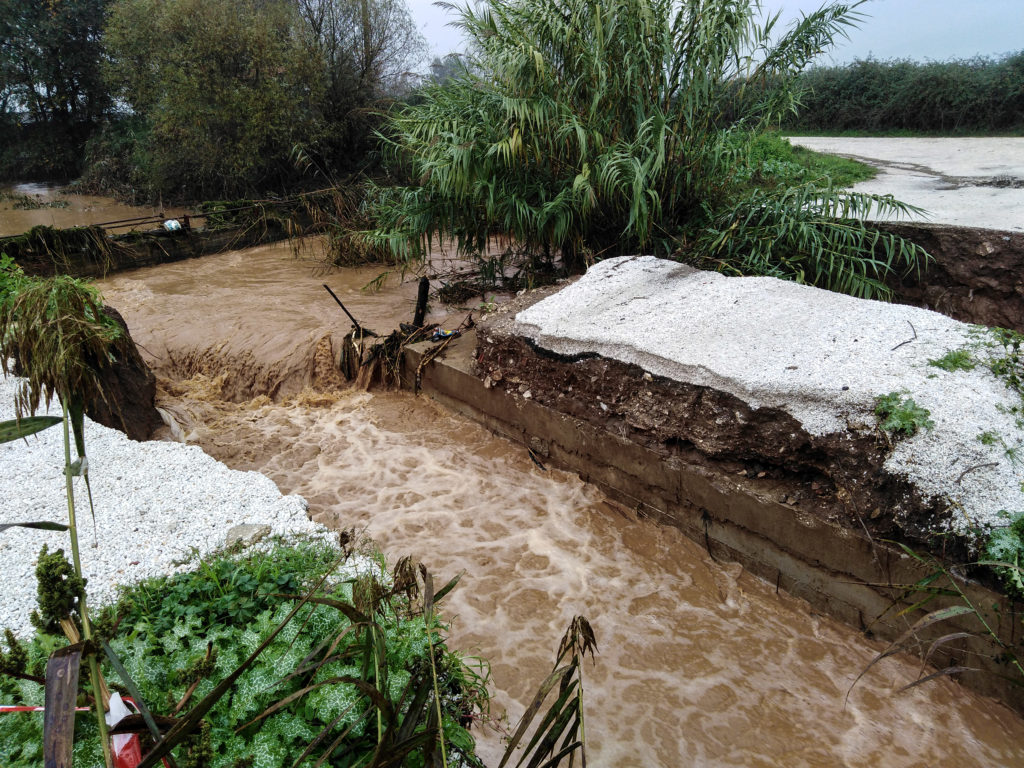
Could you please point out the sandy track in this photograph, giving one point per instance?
(973, 182)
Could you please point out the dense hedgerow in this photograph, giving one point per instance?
(979, 95)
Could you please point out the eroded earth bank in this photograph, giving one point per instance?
(700, 663)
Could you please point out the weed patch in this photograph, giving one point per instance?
(355, 668)
(900, 416)
(955, 360)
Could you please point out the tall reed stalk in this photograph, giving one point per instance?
(83, 610)
(54, 333)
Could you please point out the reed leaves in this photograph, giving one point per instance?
(591, 128)
(54, 333)
(19, 428)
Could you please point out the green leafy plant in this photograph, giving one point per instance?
(1005, 550)
(955, 360)
(988, 438)
(593, 128)
(358, 672)
(1009, 366)
(901, 416)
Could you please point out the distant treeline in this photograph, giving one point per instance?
(198, 99)
(978, 95)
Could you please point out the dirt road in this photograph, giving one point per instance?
(974, 182)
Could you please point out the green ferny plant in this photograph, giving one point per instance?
(1005, 548)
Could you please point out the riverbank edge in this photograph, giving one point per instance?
(840, 571)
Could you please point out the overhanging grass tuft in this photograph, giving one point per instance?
(54, 333)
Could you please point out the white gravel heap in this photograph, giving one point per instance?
(156, 503)
(820, 356)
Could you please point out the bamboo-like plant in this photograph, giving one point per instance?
(54, 332)
(585, 128)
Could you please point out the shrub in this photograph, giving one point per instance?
(979, 95)
(178, 636)
(601, 127)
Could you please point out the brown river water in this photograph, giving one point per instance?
(699, 663)
(76, 210)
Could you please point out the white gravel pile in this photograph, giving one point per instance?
(820, 356)
(156, 503)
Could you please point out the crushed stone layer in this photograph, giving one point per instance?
(970, 182)
(822, 357)
(157, 505)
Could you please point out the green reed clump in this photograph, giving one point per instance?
(594, 128)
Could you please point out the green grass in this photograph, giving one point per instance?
(777, 162)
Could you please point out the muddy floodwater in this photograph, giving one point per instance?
(59, 208)
(700, 663)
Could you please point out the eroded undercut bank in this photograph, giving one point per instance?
(800, 485)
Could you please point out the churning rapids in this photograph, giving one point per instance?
(700, 663)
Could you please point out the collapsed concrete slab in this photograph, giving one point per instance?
(784, 376)
(741, 411)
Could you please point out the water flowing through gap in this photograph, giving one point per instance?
(699, 664)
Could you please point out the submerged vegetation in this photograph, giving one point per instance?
(601, 127)
(20, 202)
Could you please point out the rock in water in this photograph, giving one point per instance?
(130, 389)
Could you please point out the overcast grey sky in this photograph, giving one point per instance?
(913, 29)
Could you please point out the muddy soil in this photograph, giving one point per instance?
(975, 275)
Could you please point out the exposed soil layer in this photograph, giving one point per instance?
(976, 275)
(838, 476)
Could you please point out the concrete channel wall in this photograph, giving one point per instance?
(837, 570)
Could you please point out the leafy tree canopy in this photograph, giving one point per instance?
(52, 93)
(49, 60)
(226, 90)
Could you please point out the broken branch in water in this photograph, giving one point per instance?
(362, 331)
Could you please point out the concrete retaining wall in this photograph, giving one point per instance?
(837, 570)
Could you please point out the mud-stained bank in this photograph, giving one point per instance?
(699, 664)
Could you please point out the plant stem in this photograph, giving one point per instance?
(376, 678)
(82, 607)
(437, 696)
